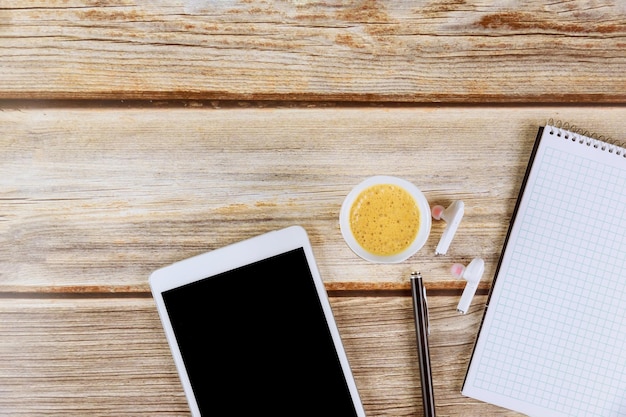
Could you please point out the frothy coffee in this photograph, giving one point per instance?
(384, 219)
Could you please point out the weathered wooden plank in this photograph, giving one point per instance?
(95, 199)
(109, 357)
(453, 51)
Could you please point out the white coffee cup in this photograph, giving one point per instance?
(389, 219)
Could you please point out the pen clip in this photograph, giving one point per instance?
(418, 275)
(427, 312)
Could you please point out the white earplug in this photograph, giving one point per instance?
(472, 274)
(452, 216)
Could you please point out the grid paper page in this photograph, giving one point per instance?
(553, 340)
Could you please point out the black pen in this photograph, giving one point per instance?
(420, 310)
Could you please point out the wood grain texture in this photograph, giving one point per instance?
(136, 133)
(94, 200)
(109, 357)
(366, 50)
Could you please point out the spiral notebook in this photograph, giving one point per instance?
(553, 337)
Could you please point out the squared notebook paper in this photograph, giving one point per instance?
(553, 337)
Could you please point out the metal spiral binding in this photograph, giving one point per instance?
(577, 134)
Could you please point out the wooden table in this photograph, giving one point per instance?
(138, 133)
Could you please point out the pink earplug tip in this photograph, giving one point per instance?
(437, 212)
(457, 270)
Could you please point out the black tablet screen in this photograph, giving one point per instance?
(255, 340)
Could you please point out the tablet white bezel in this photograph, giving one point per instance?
(234, 256)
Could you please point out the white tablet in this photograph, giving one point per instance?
(252, 332)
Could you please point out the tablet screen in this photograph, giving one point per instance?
(255, 339)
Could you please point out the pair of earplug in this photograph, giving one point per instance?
(474, 271)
